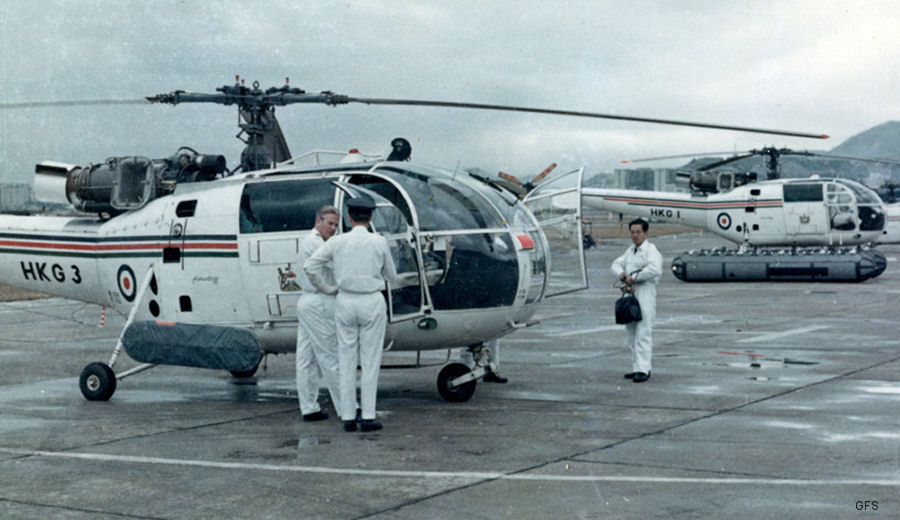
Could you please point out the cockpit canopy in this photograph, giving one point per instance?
(851, 206)
(463, 252)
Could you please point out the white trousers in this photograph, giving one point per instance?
(640, 334)
(361, 322)
(317, 350)
(466, 358)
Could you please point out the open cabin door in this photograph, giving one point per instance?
(556, 204)
(407, 297)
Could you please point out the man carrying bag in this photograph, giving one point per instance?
(645, 263)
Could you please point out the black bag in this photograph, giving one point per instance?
(628, 309)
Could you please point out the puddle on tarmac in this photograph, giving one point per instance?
(755, 364)
(789, 361)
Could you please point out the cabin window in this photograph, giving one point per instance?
(754, 193)
(268, 207)
(803, 193)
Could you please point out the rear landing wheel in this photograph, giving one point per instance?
(97, 382)
(460, 393)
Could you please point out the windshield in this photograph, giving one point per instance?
(442, 203)
(863, 195)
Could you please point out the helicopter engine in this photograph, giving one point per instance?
(714, 182)
(125, 183)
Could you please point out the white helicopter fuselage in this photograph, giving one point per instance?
(785, 212)
(892, 229)
(211, 268)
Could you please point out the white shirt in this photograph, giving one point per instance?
(361, 263)
(646, 258)
(308, 246)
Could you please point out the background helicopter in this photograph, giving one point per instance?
(706, 176)
(200, 258)
(775, 212)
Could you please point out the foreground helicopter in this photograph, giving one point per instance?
(201, 259)
(837, 217)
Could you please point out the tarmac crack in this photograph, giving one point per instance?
(77, 509)
(177, 430)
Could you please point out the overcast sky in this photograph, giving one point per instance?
(807, 65)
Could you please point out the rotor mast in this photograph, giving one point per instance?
(260, 131)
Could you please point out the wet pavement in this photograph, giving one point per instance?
(766, 401)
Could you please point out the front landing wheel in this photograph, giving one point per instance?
(97, 382)
(460, 393)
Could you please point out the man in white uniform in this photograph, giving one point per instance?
(361, 263)
(640, 268)
(316, 330)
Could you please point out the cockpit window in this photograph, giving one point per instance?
(444, 205)
(283, 205)
(502, 200)
(863, 195)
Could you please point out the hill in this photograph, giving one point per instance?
(879, 142)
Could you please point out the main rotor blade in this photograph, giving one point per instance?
(680, 156)
(508, 108)
(74, 103)
(335, 99)
(848, 158)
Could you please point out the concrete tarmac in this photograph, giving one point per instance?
(766, 400)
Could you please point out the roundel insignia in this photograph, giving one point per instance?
(724, 220)
(127, 285)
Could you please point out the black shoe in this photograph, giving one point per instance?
(640, 377)
(315, 416)
(349, 426)
(493, 377)
(630, 375)
(369, 425)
